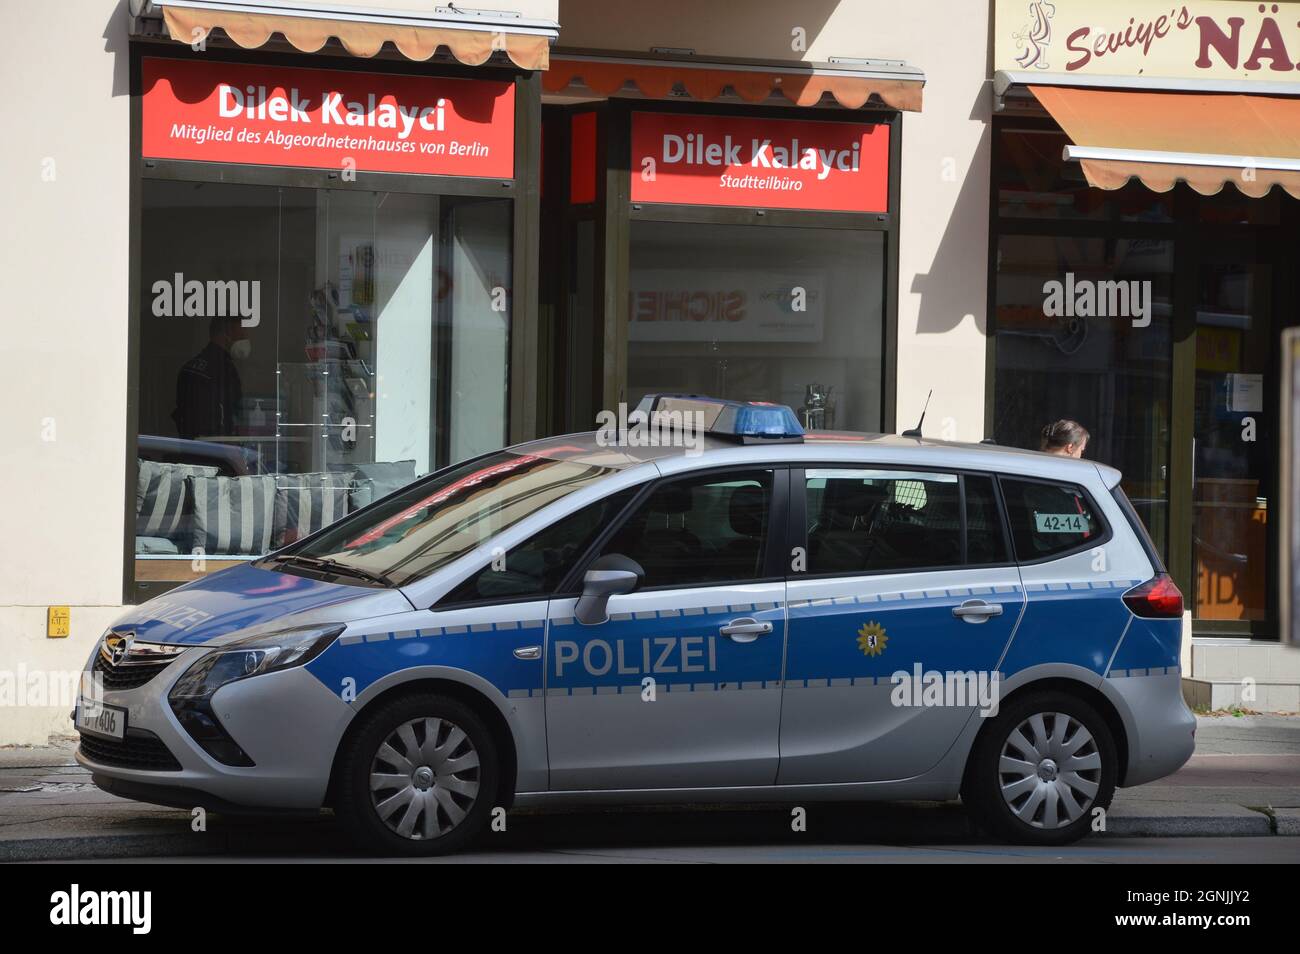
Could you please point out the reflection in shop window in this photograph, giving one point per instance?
(789, 315)
(1108, 373)
(377, 353)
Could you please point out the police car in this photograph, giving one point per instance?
(758, 615)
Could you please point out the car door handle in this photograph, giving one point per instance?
(976, 611)
(745, 629)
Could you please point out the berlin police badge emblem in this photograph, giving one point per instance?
(872, 639)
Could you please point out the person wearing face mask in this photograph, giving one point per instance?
(208, 389)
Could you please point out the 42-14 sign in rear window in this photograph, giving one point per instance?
(1060, 523)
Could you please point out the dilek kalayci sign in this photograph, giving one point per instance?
(326, 119)
(761, 163)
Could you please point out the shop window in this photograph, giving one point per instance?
(784, 314)
(303, 352)
(1083, 331)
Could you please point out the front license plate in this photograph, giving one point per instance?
(98, 718)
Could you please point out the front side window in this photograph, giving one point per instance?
(865, 521)
(1049, 519)
(537, 566)
(426, 526)
(700, 530)
(304, 352)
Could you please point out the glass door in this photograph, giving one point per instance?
(1234, 426)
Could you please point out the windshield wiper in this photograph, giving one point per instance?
(335, 567)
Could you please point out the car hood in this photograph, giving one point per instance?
(248, 600)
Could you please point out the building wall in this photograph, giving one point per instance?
(943, 231)
(64, 180)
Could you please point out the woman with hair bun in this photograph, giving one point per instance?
(1064, 437)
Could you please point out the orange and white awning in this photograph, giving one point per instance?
(472, 37)
(851, 85)
(1203, 136)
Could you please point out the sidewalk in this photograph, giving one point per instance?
(1244, 780)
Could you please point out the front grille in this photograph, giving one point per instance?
(139, 750)
(119, 678)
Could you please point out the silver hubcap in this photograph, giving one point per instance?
(1049, 770)
(424, 778)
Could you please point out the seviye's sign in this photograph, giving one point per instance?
(767, 163)
(326, 119)
(1216, 39)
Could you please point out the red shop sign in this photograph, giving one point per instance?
(764, 163)
(326, 119)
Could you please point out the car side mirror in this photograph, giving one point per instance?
(606, 576)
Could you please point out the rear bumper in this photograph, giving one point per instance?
(1161, 729)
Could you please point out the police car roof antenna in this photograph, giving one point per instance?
(916, 431)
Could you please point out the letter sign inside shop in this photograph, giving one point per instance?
(327, 119)
(764, 163)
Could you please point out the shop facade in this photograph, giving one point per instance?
(1148, 152)
(322, 248)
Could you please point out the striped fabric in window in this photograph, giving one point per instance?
(306, 502)
(233, 515)
(160, 498)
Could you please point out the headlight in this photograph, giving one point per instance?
(253, 656)
(191, 697)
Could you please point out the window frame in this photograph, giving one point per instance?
(1102, 539)
(797, 529)
(774, 547)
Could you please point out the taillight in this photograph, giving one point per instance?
(1157, 598)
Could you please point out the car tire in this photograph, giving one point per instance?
(1061, 765)
(419, 776)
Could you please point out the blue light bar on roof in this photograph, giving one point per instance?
(745, 421)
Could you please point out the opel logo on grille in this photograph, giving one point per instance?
(117, 647)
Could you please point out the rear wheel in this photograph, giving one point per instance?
(1041, 769)
(418, 777)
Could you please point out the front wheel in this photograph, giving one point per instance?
(1041, 769)
(418, 777)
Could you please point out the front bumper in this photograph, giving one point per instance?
(288, 723)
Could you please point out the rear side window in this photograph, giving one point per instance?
(1049, 518)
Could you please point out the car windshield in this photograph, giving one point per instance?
(429, 524)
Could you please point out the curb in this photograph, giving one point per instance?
(172, 844)
(1205, 821)
(1198, 821)
(1287, 821)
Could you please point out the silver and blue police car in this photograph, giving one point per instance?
(758, 615)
